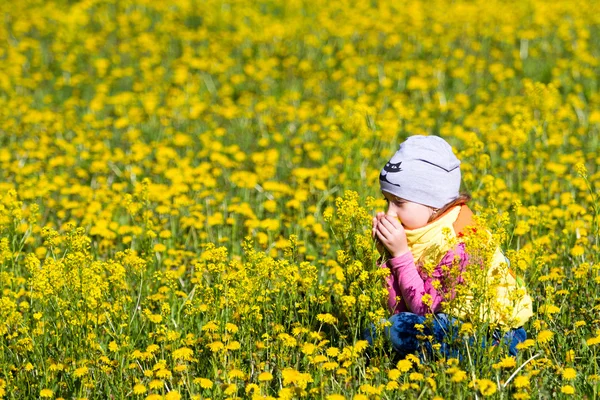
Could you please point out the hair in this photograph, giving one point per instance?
(462, 198)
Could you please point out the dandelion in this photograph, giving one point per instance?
(327, 319)
(234, 345)
(265, 377)
(506, 362)
(216, 346)
(236, 374)
(567, 389)
(46, 393)
(159, 248)
(81, 371)
(404, 365)
(521, 381)
(569, 373)
(394, 374)
(415, 376)
(308, 348)
(231, 389)
(183, 353)
(155, 384)
(139, 389)
(544, 336)
(593, 341)
(204, 383)
(526, 344)
(173, 395)
(333, 351)
(486, 387)
(459, 376)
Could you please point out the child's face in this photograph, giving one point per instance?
(411, 215)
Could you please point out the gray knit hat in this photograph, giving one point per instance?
(424, 170)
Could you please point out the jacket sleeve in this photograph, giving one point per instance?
(413, 286)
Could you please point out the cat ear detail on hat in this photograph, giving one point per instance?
(390, 168)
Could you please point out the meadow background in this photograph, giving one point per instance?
(186, 190)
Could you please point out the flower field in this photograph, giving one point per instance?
(187, 187)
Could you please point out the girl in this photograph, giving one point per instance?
(421, 185)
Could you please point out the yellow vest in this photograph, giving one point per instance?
(511, 307)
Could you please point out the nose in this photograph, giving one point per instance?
(392, 210)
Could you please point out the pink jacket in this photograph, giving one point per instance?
(410, 284)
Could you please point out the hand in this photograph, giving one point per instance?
(391, 234)
(380, 247)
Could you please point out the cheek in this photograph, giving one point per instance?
(415, 218)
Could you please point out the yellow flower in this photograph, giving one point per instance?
(327, 319)
(155, 384)
(204, 383)
(229, 327)
(113, 346)
(163, 373)
(308, 348)
(527, 343)
(319, 359)
(81, 371)
(183, 353)
(593, 341)
(544, 336)
(458, 376)
(139, 389)
(394, 374)
(333, 351)
(466, 329)
(159, 248)
(46, 393)
(265, 377)
(415, 376)
(215, 346)
(486, 387)
(506, 362)
(521, 396)
(569, 373)
(567, 389)
(234, 345)
(404, 365)
(521, 381)
(230, 389)
(173, 395)
(236, 374)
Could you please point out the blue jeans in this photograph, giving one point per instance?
(404, 336)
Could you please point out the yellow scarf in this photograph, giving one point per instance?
(431, 242)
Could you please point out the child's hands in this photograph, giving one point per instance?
(380, 247)
(391, 234)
